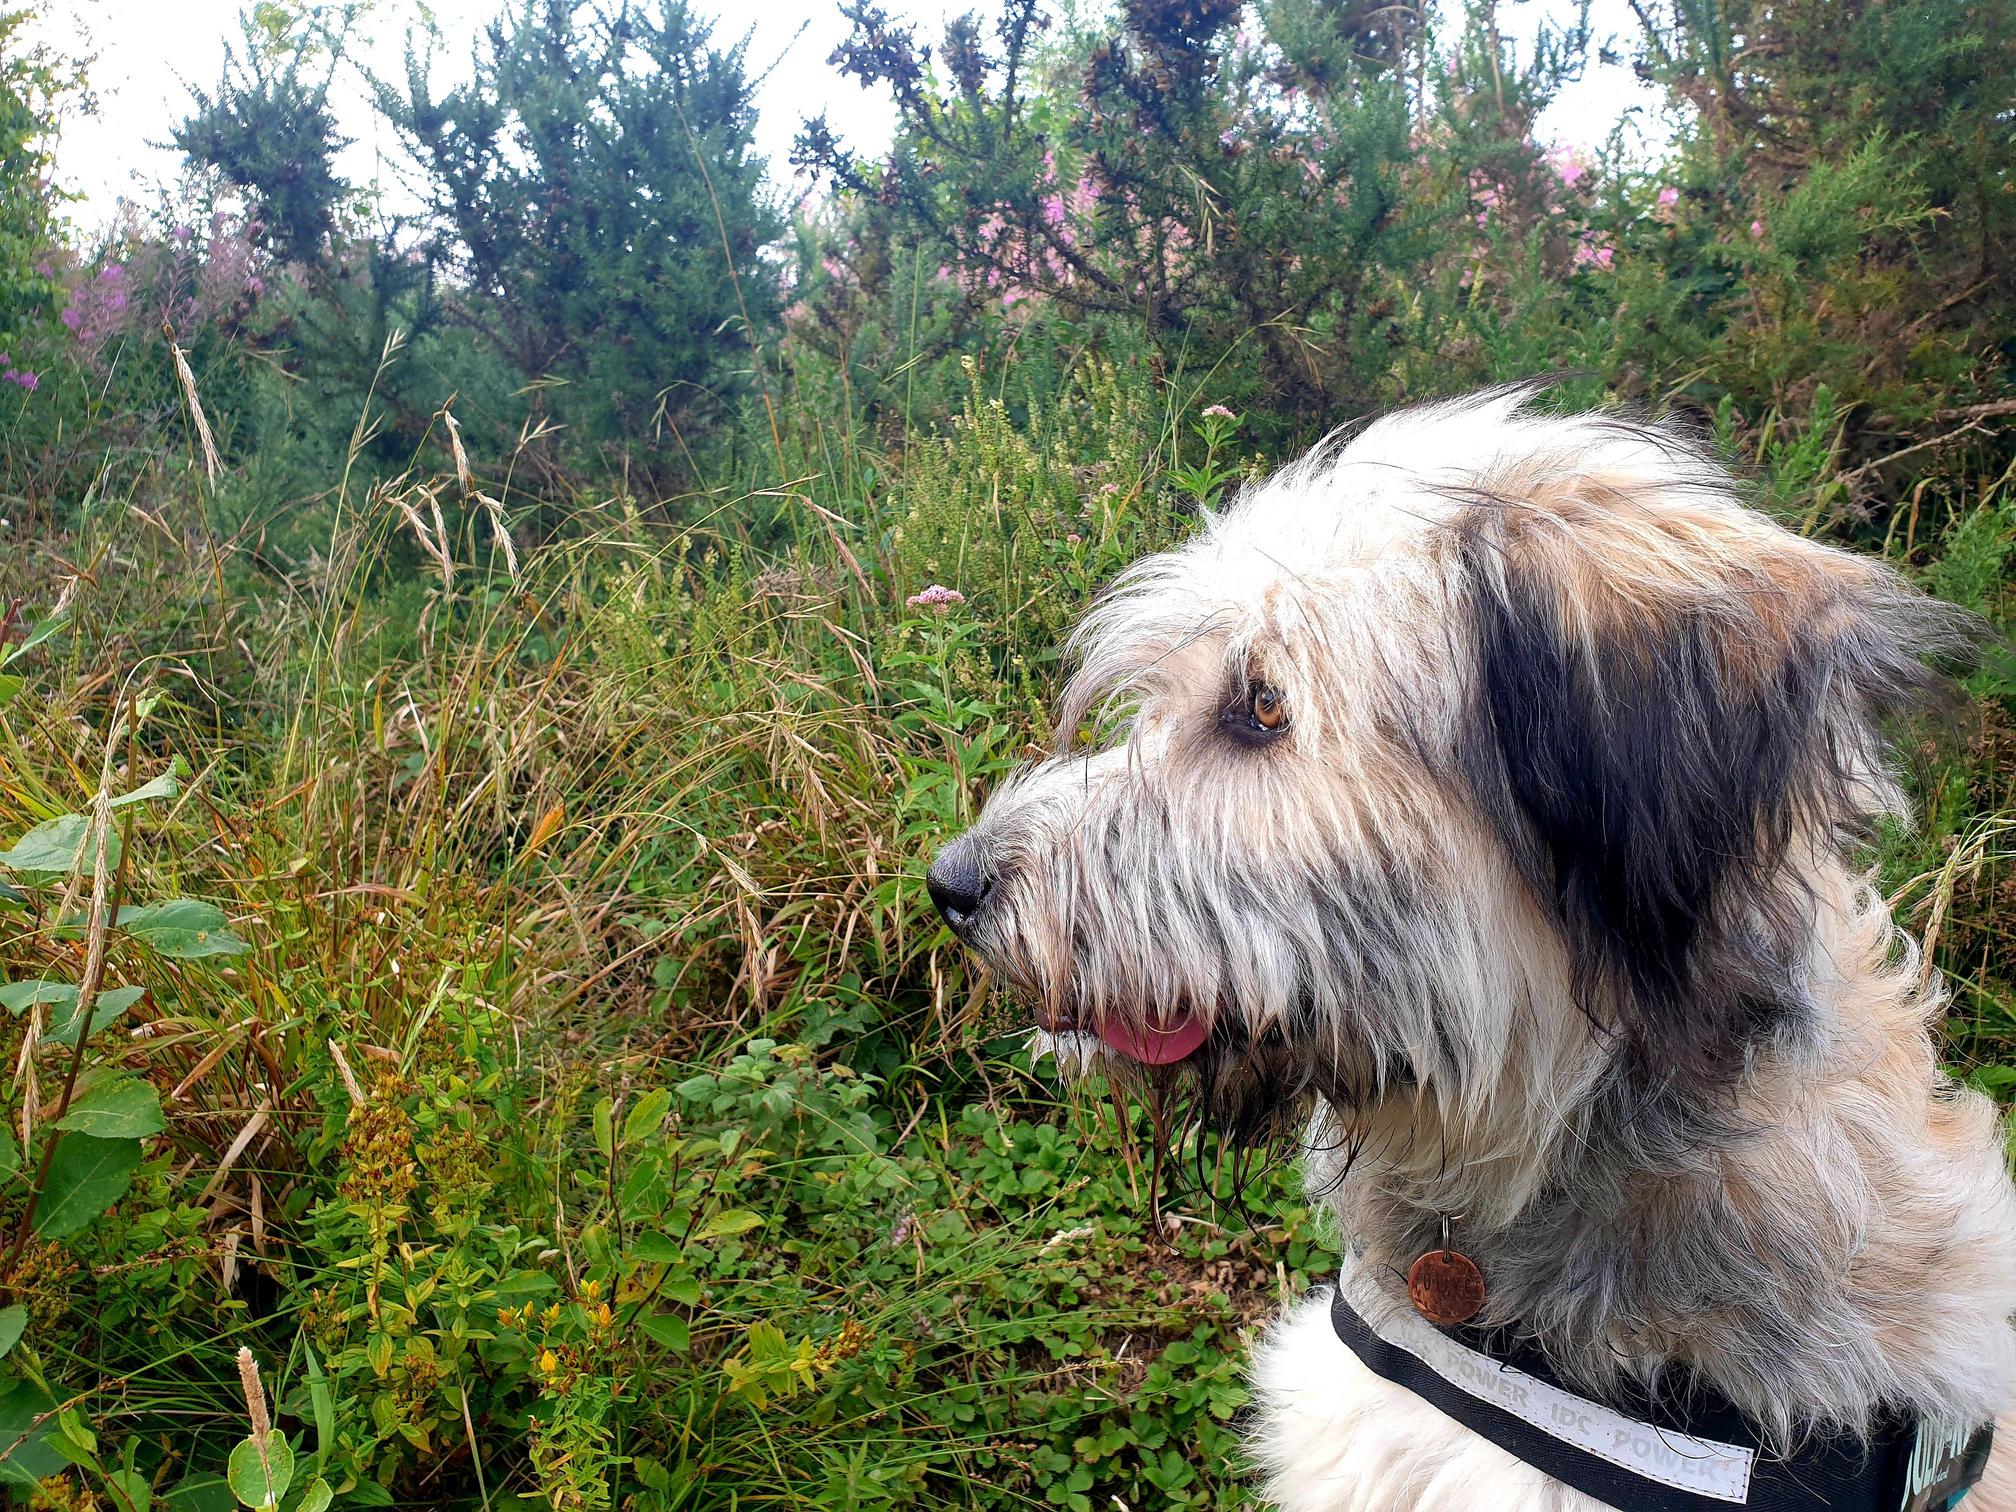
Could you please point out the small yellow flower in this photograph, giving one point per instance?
(549, 1362)
(590, 1290)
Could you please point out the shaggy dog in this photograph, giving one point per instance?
(1479, 798)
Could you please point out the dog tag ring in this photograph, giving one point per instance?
(1446, 1287)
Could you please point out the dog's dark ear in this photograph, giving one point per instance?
(1676, 700)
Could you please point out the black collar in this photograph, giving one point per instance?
(1681, 1448)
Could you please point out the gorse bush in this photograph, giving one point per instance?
(477, 697)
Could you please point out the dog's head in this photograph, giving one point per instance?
(1479, 760)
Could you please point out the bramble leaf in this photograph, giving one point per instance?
(182, 928)
(123, 1107)
(86, 1176)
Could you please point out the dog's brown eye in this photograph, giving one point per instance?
(1253, 713)
(1268, 711)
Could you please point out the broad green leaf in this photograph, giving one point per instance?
(673, 1333)
(681, 1286)
(656, 1249)
(122, 1107)
(641, 1198)
(183, 929)
(35, 637)
(604, 1121)
(728, 1223)
(18, 997)
(86, 1176)
(25, 1455)
(74, 1439)
(10, 689)
(10, 1153)
(260, 1481)
(316, 1498)
(105, 1013)
(56, 847)
(12, 1322)
(200, 1493)
(647, 1115)
(164, 786)
(131, 1487)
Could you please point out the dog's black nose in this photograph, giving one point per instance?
(958, 882)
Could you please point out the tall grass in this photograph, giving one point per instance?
(594, 1113)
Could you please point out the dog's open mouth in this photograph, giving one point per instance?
(1159, 1039)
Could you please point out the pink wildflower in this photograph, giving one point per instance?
(1568, 168)
(937, 598)
(1591, 252)
(1219, 409)
(1668, 197)
(1756, 230)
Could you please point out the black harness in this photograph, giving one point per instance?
(1681, 1449)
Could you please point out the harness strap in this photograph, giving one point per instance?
(1692, 1451)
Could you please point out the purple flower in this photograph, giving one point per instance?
(1592, 252)
(112, 272)
(182, 233)
(1053, 209)
(27, 380)
(937, 598)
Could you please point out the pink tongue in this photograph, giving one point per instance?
(1156, 1045)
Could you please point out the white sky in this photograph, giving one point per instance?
(146, 52)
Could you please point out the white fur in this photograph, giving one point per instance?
(1331, 1436)
(1829, 1230)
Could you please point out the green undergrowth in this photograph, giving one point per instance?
(517, 1027)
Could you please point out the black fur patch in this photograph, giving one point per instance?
(1650, 795)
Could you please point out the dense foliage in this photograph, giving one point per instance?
(477, 692)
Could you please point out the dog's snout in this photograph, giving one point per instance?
(959, 881)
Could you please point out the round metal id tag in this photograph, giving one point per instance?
(1446, 1287)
